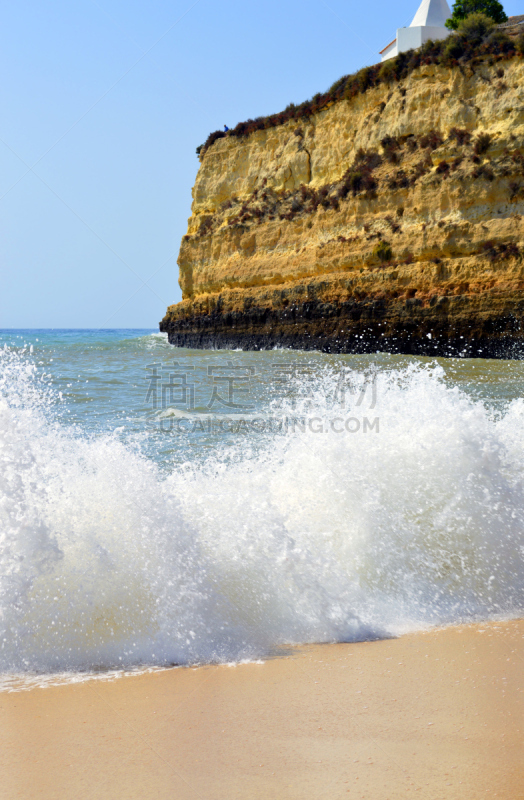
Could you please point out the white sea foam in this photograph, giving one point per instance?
(105, 562)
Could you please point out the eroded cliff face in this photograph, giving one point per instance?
(388, 221)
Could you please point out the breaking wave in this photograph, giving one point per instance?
(106, 561)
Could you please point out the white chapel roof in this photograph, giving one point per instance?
(432, 13)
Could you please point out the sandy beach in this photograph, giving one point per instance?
(437, 714)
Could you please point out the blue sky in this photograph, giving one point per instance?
(107, 100)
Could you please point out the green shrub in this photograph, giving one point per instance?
(399, 181)
(482, 143)
(387, 72)
(475, 27)
(519, 44)
(390, 145)
(370, 159)
(431, 140)
(499, 43)
(462, 9)
(500, 251)
(460, 135)
(383, 251)
(443, 168)
(355, 181)
(206, 225)
(454, 48)
(429, 51)
(364, 79)
(483, 171)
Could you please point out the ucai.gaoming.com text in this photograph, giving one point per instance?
(286, 425)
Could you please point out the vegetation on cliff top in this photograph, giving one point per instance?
(464, 8)
(476, 39)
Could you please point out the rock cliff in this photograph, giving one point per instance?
(390, 220)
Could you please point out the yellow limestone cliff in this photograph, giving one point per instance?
(391, 220)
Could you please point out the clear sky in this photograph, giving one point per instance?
(103, 104)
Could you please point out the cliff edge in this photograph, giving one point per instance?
(390, 220)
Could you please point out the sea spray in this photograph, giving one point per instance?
(109, 559)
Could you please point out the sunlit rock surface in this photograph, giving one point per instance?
(282, 243)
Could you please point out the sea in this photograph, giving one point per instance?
(163, 506)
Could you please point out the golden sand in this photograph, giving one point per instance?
(429, 715)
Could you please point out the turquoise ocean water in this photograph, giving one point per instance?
(165, 506)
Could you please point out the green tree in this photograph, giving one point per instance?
(463, 8)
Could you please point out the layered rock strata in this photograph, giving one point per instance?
(389, 221)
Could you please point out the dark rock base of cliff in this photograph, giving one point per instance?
(454, 326)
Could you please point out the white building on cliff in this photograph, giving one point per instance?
(428, 23)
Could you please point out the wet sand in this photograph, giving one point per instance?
(431, 715)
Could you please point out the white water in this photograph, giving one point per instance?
(105, 561)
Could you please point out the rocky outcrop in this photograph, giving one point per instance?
(391, 220)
